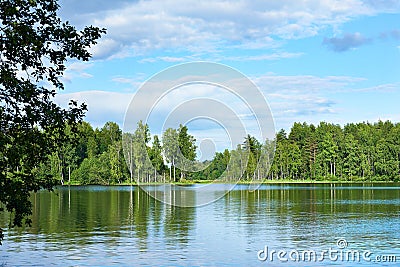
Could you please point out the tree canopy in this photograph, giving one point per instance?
(34, 47)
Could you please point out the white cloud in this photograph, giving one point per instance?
(219, 58)
(165, 59)
(304, 97)
(291, 98)
(133, 84)
(102, 106)
(124, 80)
(384, 88)
(260, 57)
(77, 69)
(107, 48)
(204, 26)
(304, 84)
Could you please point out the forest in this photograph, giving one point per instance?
(326, 152)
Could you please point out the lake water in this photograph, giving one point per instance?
(124, 226)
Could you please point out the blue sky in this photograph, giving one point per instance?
(334, 61)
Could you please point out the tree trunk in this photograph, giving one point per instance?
(173, 163)
(334, 167)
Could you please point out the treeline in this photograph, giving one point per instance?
(107, 156)
(361, 151)
(356, 152)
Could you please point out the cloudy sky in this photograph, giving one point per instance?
(331, 60)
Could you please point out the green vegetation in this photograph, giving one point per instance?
(34, 46)
(326, 153)
(358, 152)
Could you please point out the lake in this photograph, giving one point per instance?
(275, 225)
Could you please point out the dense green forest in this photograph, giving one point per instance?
(355, 152)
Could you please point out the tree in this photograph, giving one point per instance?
(328, 149)
(108, 135)
(295, 162)
(302, 135)
(34, 46)
(140, 139)
(85, 133)
(116, 163)
(66, 157)
(187, 147)
(237, 163)
(170, 149)
(253, 148)
(351, 158)
(266, 158)
(127, 144)
(225, 161)
(311, 151)
(94, 170)
(280, 165)
(156, 156)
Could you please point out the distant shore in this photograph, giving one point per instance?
(284, 181)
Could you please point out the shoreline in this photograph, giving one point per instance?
(264, 182)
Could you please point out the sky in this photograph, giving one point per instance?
(313, 61)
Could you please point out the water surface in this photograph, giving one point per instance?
(123, 225)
